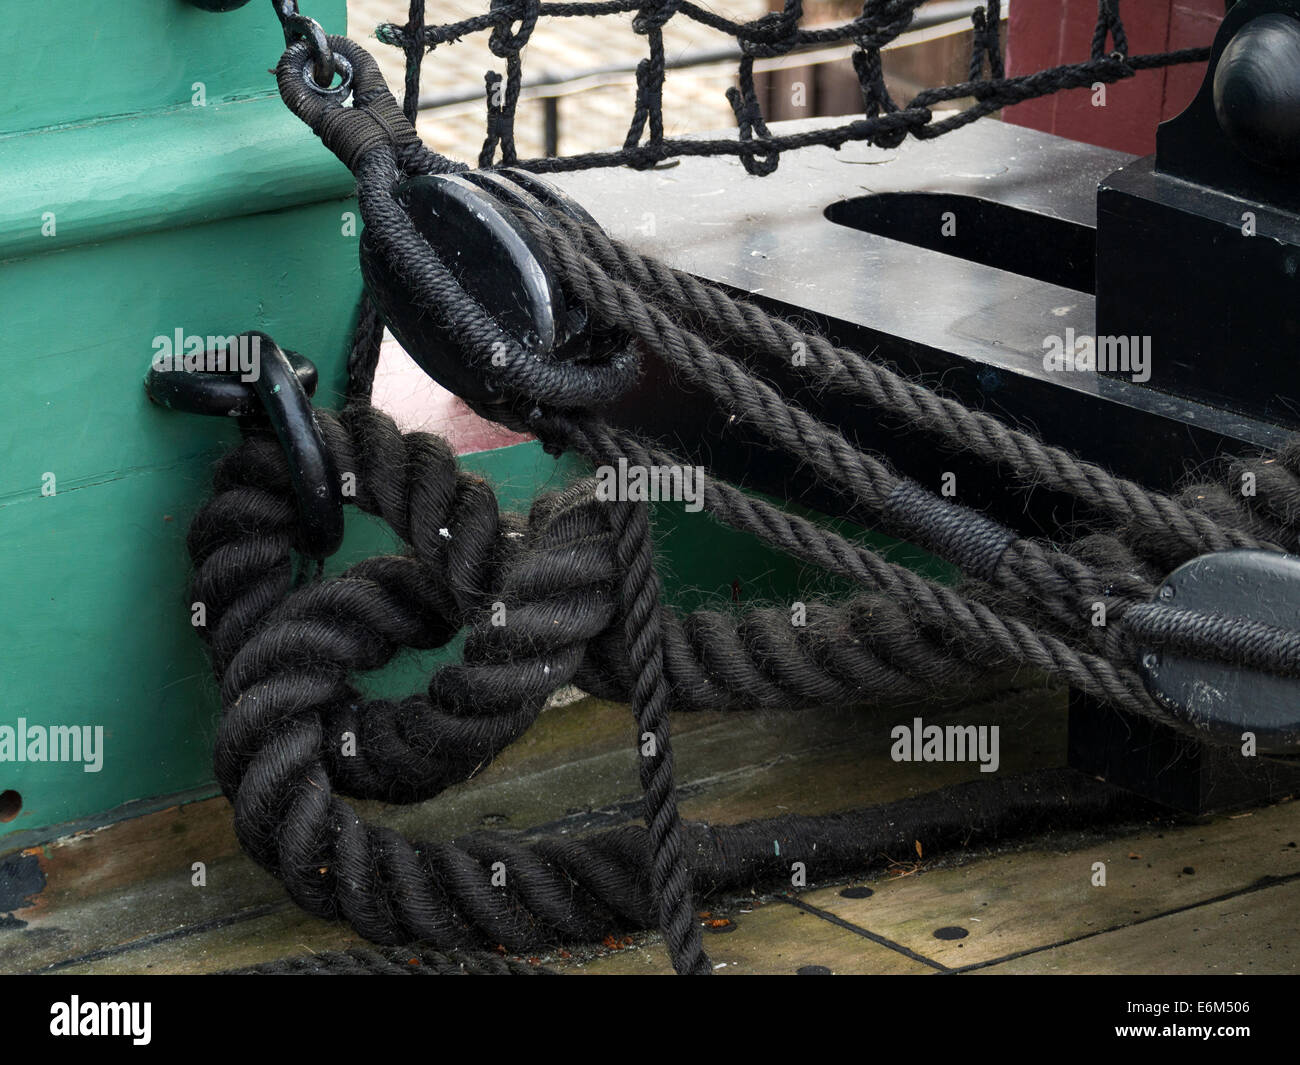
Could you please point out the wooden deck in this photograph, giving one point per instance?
(1211, 895)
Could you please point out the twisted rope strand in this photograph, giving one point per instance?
(639, 292)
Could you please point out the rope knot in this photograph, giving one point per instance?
(1109, 24)
(876, 100)
(375, 121)
(649, 19)
(502, 41)
(987, 40)
(774, 34)
(882, 21)
(750, 124)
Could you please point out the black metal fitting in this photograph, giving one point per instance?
(1198, 246)
(469, 222)
(278, 392)
(298, 27)
(1241, 595)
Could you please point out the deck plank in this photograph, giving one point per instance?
(120, 899)
(115, 891)
(1026, 900)
(1252, 933)
(773, 940)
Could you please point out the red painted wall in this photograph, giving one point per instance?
(1046, 33)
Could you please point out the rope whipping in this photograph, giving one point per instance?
(576, 576)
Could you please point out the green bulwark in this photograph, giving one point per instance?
(153, 182)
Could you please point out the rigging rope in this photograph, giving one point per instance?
(576, 576)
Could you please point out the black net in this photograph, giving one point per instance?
(885, 123)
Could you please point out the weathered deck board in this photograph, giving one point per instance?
(121, 900)
(261, 934)
(1252, 933)
(119, 888)
(1028, 900)
(773, 939)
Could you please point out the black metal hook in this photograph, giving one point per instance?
(277, 387)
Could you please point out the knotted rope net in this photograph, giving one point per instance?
(510, 24)
(577, 576)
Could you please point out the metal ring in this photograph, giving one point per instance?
(312, 472)
(339, 91)
(322, 56)
(298, 27)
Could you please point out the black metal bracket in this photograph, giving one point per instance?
(277, 390)
(1198, 246)
(1047, 243)
(1230, 704)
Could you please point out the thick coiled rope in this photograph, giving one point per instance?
(576, 584)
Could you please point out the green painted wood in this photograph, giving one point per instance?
(155, 183)
(161, 170)
(79, 327)
(91, 640)
(165, 215)
(73, 62)
(92, 610)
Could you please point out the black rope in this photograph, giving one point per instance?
(576, 578)
(637, 292)
(1241, 642)
(412, 961)
(884, 124)
(953, 821)
(284, 658)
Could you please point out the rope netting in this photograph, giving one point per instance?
(510, 24)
